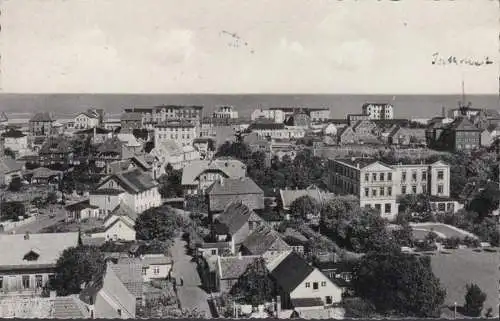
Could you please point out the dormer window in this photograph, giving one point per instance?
(32, 255)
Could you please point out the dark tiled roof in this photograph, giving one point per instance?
(56, 145)
(123, 210)
(291, 272)
(41, 117)
(80, 206)
(130, 273)
(13, 134)
(106, 191)
(136, 181)
(266, 126)
(235, 186)
(264, 239)
(462, 124)
(235, 216)
(234, 267)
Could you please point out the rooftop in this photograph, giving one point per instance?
(235, 216)
(263, 239)
(234, 186)
(41, 117)
(232, 168)
(291, 272)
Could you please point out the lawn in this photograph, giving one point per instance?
(438, 228)
(464, 266)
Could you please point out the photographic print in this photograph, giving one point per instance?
(249, 159)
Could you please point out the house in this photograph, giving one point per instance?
(158, 114)
(296, 240)
(330, 130)
(130, 121)
(45, 176)
(299, 119)
(225, 112)
(182, 132)
(198, 175)
(338, 272)
(275, 115)
(146, 163)
(288, 196)
(487, 138)
(354, 118)
(9, 169)
(28, 262)
(235, 224)
(404, 136)
(445, 204)
(460, 134)
(169, 152)
(108, 298)
(16, 141)
(90, 118)
(277, 130)
(97, 135)
(221, 193)
(378, 110)
(129, 271)
(152, 266)
(119, 229)
(301, 285)
(264, 241)
(136, 189)
(56, 150)
(112, 149)
(205, 147)
(41, 124)
(80, 211)
(378, 185)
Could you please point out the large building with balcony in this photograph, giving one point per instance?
(181, 132)
(378, 185)
(152, 116)
(378, 110)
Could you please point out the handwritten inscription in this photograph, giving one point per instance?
(437, 59)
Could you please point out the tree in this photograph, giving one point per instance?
(404, 235)
(399, 284)
(171, 184)
(418, 203)
(157, 223)
(78, 266)
(474, 300)
(487, 200)
(15, 184)
(254, 286)
(304, 206)
(9, 152)
(358, 308)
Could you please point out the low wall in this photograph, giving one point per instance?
(10, 225)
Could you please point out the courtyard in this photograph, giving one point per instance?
(420, 230)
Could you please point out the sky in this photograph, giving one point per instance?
(284, 46)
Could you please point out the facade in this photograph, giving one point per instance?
(182, 132)
(226, 190)
(379, 185)
(56, 150)
(354, 118)
(80, 211)
(88, 119)
(225, 112)
(277, 131)
(9, 169)
(264, 241)
(28, 261)
(131, 121)
(119, 228)
(378, 110)
(152, 116)
(459, 135)
(136, 189)
(16, 141)
(41, 124)
(169, 152)
(276, 115)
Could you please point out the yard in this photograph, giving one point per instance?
(464, 266)
(84, 225)
(420, 230)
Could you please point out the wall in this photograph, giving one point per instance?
(163, 273)
(330, 289)
(121, 230)
(106, 203)
(14, 282)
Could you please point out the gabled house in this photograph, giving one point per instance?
(41, 124)
(16, 141)
(461, 134)
(111, 150)
(152, 266)
(169, 152)
(28, 262)
(301, 285)
(131, 121)
(198, 175)
(109, 298)
(221, 193)
(97, 135)
(9, 169)
(56, 150)
(129, 271)
(80, 211)
(235, 224)
(118, 225)
(403, 136)
(90, 118)
(288, 196)
(264, 241)
(135, 189)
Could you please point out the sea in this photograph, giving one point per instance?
(66, 106)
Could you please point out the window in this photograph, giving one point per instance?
(441, 207)
(424, 175)
(440, 189)
(323, 283)
(1, 282)
(367, 177)
(367, 192)
(389, 191)
(377, 207)
(374, 192)
(374, 177)
(214, 252)
(250, 225)
(328, 300)
(414, 176)
(382, 176)
(156, 270)
(38, 281)
(387, 208)
(26, 281)
(403, 189)
(440, 175)
(403, 176)
(308, 285)
(424, 188)
(414, 189)
(119, 312)
(315, 285)
(144, 270)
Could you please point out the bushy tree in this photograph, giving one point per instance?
(487, 200)
(78, 266)
(254, 286)
(171, 184)
(157, 223)
(399, 284)
(303, 206)
(404, 235)
(15, 184)
(474, 300)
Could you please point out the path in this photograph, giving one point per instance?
(190, 294)
(42, 221)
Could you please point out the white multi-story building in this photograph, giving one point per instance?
(277, 131)
(87, 119)
(378, 110)
(276, 115)
(225, 112)
(181, 132)
(379, 185)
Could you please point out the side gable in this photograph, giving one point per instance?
(111, 183)
(377, 166)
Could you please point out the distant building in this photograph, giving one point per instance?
(276, 115)
(16, 141)
(182, 132)
(299, 119)
(277, 131)
(226, 190)
(378, 110)
(354, 118)
(56, 150)
(460, 134)
(41, 124)
(225, 112)
(169, 152)
(9, 169)
(88, 119)
(379, 185)
(152, 116)
(131, 121)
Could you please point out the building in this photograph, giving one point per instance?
(111, 150)
(354, 118)
(131, 121)
(198, 175)
(118, 225)
(226, 190)
(235, 224)
(264, 241)
(97, 135)
(109, 298)
(378, 110)
(299, 119)
(361, 132)
(405, 136)
(459, 135)
(277, 130)
(379, 185)
(169, 152)
(41, 124)
(16, 141)
(56, 150)
(152, 116)
(28, 261)
(90, 118)
(288, 196)
(9, 169)
(153, 266)
(275, 115)
(225, 112)
(301, 285)
(81, 210)
(182, 132)
(136, 189)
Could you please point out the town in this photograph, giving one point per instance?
(168, 212)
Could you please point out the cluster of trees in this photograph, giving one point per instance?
(12, 211)
(159, 223)
(486, 228)
(254, 286)
(171, 183)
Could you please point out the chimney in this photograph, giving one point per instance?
(27, 236)
(222, 181)
(52, 294)
(239, 255)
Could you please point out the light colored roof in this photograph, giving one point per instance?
(263, 239)
(44, 172)
(13, 248)
(133, 182)
(234, 217)
(129, 139)
(235, 186)
(232, 168)
(9, 165)
(69, 307)
(130, 273)
(169, 147)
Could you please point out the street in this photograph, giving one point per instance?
(42, 221)
(190, 294)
